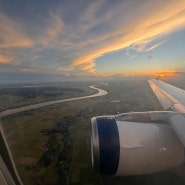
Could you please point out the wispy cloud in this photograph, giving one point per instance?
(88, 18)
(133, 56)
(14, 33)
(166, 18)
(154, 46)
(49, 32)
(11, 34)
(68, 38)
(145, 46)
(89, 67)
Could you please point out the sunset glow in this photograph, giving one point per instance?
(166, 74)
(82, 40)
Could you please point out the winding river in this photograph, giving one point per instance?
(8, 112)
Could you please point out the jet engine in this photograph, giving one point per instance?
(134, 143)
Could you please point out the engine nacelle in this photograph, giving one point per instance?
(121, 146)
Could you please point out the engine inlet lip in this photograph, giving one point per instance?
(95, 152)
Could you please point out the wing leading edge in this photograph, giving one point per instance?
(171, 98)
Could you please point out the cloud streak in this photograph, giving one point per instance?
(75, 38)
(154, 46)
(15, 33)
(164, 20)
(11, 34)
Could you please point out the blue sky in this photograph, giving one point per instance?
(83, 39)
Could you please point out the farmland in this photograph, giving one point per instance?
(51, 145)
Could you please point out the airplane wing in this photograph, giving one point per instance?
(171, 98)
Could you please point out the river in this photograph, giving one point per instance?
(8, 112)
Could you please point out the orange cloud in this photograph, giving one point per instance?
(11, 34)
(89, 67)
(5, 59)
(164, 20)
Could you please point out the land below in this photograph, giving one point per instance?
(51, 145)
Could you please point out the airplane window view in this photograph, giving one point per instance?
(92, 92)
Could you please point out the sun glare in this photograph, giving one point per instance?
(166, 74)
(161, 75)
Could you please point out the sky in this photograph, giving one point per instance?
(84, 39)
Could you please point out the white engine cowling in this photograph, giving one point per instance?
(121, 146)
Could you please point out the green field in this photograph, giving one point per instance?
(13, 96)
(31, 136)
